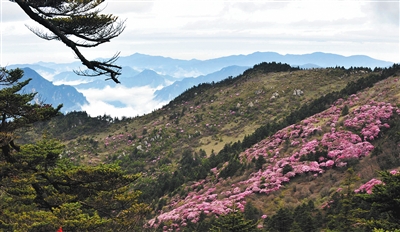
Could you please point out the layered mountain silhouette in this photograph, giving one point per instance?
(48, 93)
(170, 76)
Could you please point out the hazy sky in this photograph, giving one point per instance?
(205, 29)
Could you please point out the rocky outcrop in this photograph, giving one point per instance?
(298, 92)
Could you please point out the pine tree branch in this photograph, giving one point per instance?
(99, 68)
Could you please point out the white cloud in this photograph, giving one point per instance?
(385, 12)
(209, 29)
(136, 101)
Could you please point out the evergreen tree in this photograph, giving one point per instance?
(17, 111)
(78, 24)
(282, 221)
(233, 222)
(39, 191)
(260, 161)
(385, 201)
(42, 192)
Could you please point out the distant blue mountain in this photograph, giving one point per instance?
(70, 76)
(170, 92)
(176, 67)
(42, 70)
(48, 93)
(146, 78)
(179, 68)
(132, 79)
(179, 75)
(62, 67)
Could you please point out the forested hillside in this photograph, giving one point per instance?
(275, 149)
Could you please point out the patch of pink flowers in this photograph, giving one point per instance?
(367, 187)
(370, 118)
(339, 143)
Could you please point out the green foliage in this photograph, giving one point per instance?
(51, 192)
(287, 168)
(16, 108)
(260, 161)
(71, 126)
(346, 210)
(274, 67)
(387, 150)
(41, 191)
(251, 212)
(345, 110)
(385, 202)
(382, 230)
(281, 221)
(233, 222)
(314, 156)
(230, 170)
(17, 111)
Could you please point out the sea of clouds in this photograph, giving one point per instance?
(120, 101)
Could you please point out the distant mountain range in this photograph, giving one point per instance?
(178, 68)
(168, 93)
(130, 79)
(51, 94)
(173, 76)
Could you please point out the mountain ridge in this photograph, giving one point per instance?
(200, 153)
(71, 99)
(171, 66)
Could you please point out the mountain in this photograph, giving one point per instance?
(160, 72)
(164, 65)
(70, 77)
(42, 70)
(62, 67)
(179, 68)
(146, 78)
(187, 68)
(274, 144)
(71, 99)
(170, 92)
(131, 79)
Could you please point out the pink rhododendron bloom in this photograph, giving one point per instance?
(329, 163)
(367, 187)
(367, 120)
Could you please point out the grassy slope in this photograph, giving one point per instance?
(183, 124)
(303, 187)
(249, 96)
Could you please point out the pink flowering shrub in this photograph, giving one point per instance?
(338, 145)
(367, 187)
(370, 118)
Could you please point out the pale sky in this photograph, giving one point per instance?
(188, 29)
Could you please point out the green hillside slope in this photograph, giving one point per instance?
(270, 139)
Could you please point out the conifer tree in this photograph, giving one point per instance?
(234, 221)
(16, 109)
(42, 191)
(78, 24)
(385, 202)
